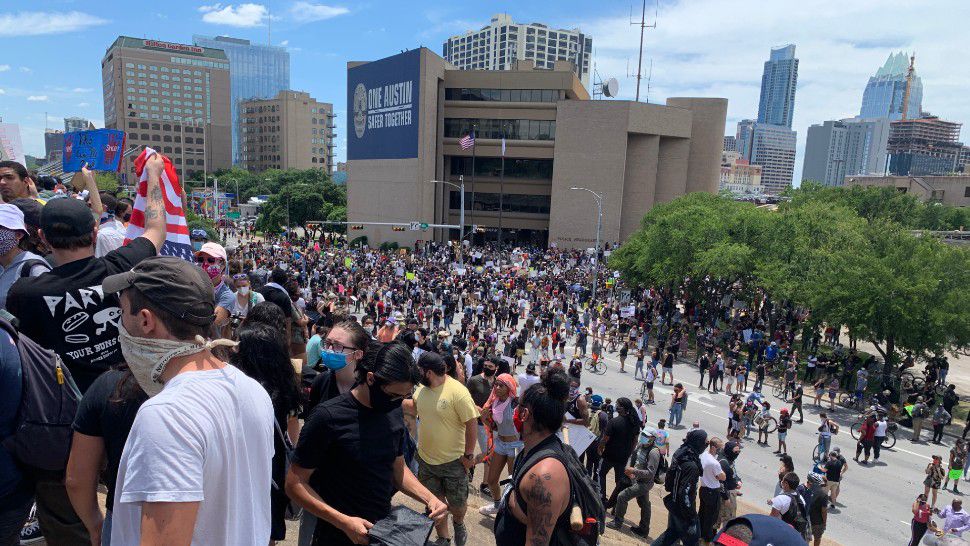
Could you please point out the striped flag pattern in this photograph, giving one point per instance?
(467, 141)
(177, 241)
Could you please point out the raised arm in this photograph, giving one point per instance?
(155, 220)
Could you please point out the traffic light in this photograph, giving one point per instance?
(398, 228)
(356, 227)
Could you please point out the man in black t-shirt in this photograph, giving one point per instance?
(65, 310)
(275, 292)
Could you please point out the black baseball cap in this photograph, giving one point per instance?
(66, 218)
(172, 284)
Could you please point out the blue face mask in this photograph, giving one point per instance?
(333, 360)
(197, 245)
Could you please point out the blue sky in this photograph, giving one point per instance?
(52, 49)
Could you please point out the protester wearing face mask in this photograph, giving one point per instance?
(212, 259)
(497, 413)
(447, 432)
(480, 387)
(341, 349)
(13, 259)
(356, 441)
(179, 480)
(245, 297)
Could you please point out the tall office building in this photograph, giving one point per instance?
(883, 96)
(772, 147)
(172, 97)
(499, 44)
(77, 124)
(255, 72)
(730, 143)
(925, 146)
(290, 131)
(777, 104)
(53, 144)
(848, 147)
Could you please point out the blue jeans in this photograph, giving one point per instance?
(676, 413)
(106, 529)
(826, 443)
(687, 531)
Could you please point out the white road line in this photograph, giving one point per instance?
(897, 448)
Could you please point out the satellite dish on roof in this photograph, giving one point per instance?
(610, 88)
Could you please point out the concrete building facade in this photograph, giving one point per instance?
(498, 45)
(738, 176)
(172, 97)
(555, 138)
(772, 147)
(949, 190)
(53, 144)
(73, 124)
(290, 131)
(925, 146)
(839, 148)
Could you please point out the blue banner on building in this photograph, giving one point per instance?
(382, 106)
(101, 149)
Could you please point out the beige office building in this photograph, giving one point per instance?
(290, 131)
(949, 190)
(171, 97)
(408, 113)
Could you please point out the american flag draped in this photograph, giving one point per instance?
(177, 241)
(467, 141)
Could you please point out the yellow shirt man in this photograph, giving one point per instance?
(442, 414)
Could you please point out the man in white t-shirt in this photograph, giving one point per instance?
(783, 507)
(710, 489)
(196, 468)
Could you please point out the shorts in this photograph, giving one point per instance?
(955, 474)
(519, 352)
(506, 448)
(649, 385)
(832, 395)
(782, 436)
(730, 380)
(448, 481)
(832, 488)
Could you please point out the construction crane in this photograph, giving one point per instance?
(909, 84)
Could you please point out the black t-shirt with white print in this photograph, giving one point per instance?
(66, 311)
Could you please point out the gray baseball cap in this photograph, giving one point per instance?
(174, 285)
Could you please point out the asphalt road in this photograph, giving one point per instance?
(874, 504)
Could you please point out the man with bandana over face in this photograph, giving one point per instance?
(681, 484)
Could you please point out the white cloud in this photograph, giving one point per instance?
(717, 49)
(37, 98)
(285, 43)
(25, 69)
(4, 67)
(33, 23)
(243, 15)
(307, 12)
(2, 92)
(81, 90)
(82, 104)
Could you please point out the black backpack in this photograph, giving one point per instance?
(583, 492)
(797, 513)
(48, 404)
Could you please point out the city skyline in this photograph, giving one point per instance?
(701, 48)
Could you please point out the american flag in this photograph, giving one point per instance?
(467, 141)
(177, 241)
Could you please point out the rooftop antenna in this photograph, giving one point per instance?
(649, 78)
(269, 23)
(643, 26)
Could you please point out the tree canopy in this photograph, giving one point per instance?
(846, 254)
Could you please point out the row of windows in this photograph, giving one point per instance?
(511, 202)
(143, 83)
(154, 68)
(133, 106)
(166, 127)
(176, 94)
(164, 101)
(164, 77)
(200, 62)
(512, 129)
(505, 95)
(167, 138)
(539, 169)
(165, 117)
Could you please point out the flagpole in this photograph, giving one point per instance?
(472, 238)
(501, 193)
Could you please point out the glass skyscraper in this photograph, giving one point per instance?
(255, 72)
(777, 104)
(883, 97)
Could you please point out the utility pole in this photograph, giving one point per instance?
(461, 217)
(599, 227)
(643, 26)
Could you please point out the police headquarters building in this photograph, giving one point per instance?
(408, 113)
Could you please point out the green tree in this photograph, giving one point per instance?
(107, 181)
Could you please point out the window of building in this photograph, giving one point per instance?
(129, 65)
(133, 125)
(966, 191)
(511, 202)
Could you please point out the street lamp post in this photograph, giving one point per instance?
(599, 228)
(461, 217)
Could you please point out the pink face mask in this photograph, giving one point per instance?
(214, 271)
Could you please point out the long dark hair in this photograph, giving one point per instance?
(632, 417)
(390, 362)
(262, 354)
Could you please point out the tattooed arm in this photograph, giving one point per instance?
(155, 219)
(546, 492)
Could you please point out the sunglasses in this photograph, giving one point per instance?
(207, 260)
(240, 276)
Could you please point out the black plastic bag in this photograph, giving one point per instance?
(402, 527)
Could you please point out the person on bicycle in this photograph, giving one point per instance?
(825, 434)
(791, 373)
(761, 419)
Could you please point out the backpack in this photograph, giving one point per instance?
(583, 492)
(27, 265)
(797, 514)
(660, 477)
(594, 423)
(48, 404)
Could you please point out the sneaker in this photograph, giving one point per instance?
(439, 542)
(461, 534)
(489, 510)
(30, 534)
(615, 524)
(639, 531)
(485, 490)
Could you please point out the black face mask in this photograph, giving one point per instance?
(488, 372)
(380, 401)
(126, 218)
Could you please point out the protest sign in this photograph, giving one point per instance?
(101, 149)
